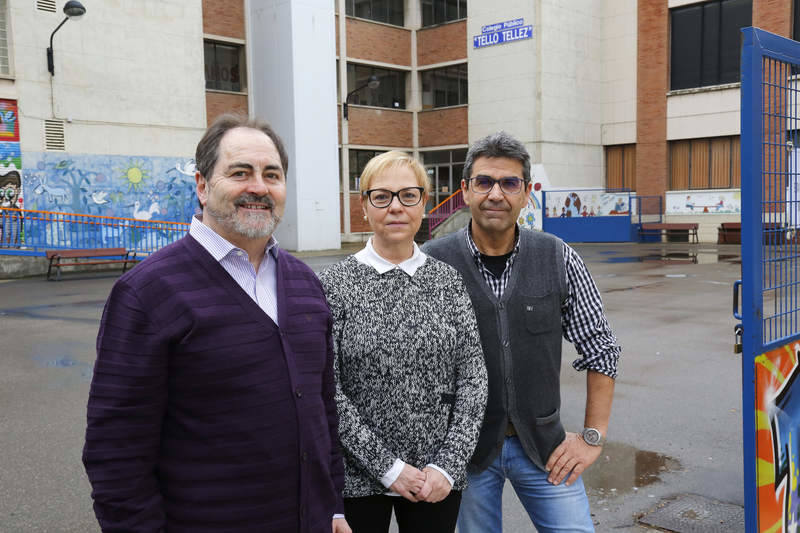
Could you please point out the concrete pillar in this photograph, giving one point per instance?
(294, 88)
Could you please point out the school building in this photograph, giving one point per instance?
(624, 94)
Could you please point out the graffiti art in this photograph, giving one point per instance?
(778, 439)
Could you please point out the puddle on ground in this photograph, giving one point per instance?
(60, 356)
(623, 259)
(622, 468)
(675, 258)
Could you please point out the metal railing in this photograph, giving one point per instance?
(444, 209)
(30, 232)
(648, 208)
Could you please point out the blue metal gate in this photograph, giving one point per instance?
(770, 285)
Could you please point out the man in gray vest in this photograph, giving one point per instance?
(528, 289)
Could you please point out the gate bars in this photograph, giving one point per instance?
(770, 119)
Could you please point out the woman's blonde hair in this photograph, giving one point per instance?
(390, 160)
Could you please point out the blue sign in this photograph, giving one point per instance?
(518, 33)
(491, 28)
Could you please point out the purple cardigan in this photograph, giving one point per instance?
(205, 416)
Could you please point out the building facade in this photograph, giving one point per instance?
(630, 94)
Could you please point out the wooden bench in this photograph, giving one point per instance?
(674, 228)
(772, 233)
(729, 233)
(56, 258)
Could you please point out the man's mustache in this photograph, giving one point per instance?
(255, 199)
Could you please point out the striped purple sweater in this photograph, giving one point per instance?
(203, 415)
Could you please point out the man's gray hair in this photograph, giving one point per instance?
(499, 144)
(207, 151)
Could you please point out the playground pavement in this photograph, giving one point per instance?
(675, 428)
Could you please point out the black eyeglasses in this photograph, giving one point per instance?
(484, 184)
(381, 198)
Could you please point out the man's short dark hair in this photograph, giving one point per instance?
(499, 144)
(207, 152)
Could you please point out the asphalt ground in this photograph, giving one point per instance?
(675, 428)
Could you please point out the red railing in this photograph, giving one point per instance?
(444, 209)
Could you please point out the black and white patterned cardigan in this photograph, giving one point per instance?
(411, 378)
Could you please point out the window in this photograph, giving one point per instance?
(388, 11)
(358, 160)
(225, 66)
(5, 66)
(444, 168)
(444, 87)
(704, 163)
(621, 167)
(390, 93)
(796, 29)
(440, 11)
(796, 20)
(705, 42)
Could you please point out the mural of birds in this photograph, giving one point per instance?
(188, 169)
(100, 197)
(145, 214)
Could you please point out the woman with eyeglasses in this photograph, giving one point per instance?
(411, 380)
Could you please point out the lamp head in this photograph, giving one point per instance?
(373, 82)
(74, 9)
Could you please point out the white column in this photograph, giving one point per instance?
(294, 89)
(345, 152)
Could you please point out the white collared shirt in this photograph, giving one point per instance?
(261, 286)
(370, 257)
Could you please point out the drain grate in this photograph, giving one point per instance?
(690, 513)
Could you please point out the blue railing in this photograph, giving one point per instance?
(29, 232)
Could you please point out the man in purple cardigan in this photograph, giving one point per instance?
(212, 403)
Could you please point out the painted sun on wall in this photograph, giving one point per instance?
(144, 188)
(778, 439)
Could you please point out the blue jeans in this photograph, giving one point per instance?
(551, 507)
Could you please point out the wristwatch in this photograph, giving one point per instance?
(592, 437)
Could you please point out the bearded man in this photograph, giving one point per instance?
(212, 403)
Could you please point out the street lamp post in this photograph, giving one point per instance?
(373, 83)
(73, 10)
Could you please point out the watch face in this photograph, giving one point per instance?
(592, 436)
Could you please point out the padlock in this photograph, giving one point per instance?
(737, 345)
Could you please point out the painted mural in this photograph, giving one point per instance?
(587, 203)
(704, 202)
(530, 216)
(778, 439)
(10, 156)
(144, 188)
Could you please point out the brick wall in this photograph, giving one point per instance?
(357, 222)
(224, 17)
(651, 101)
(378, 42)
(380, 127)
(774, 16)
(441, 127)
(442, 43)
(218, 103)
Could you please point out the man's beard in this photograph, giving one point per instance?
(252, 225)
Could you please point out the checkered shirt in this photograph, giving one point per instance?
(583, 321)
